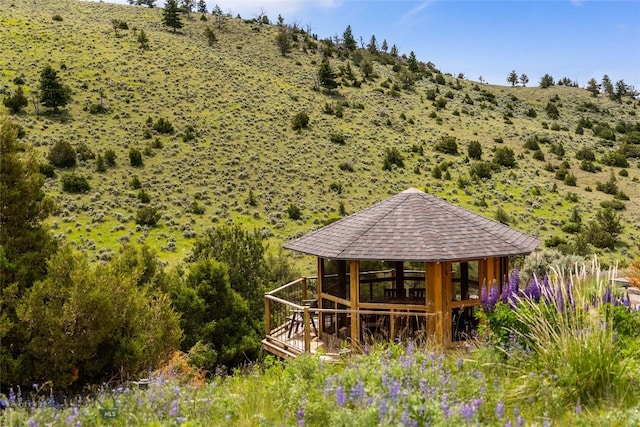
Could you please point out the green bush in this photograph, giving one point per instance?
(447, 145)
(57, 18)
(72, 183)
(392, 157)
(337, 138)
(148, 215)
(538, 155)
(481, 170)
(300, 121)
(62, 155)
(163, 126)
(585, 153)
(104, 322)
(135, 158)
(504, 156)
(110, 157)
(16, 102)
(294, 212)
(47, 170)
(84, 153)
(615, 158)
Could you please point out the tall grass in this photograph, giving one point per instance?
(567, 326)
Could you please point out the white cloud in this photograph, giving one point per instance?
(410, 16)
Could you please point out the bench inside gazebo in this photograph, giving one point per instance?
(409, 267)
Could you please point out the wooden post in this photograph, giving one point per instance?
(267, 316)
(320, 304)
(355, 302)
(434, 299)
(307, 330)
(304, 288)
(438, 300)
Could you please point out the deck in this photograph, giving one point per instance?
(294, 325)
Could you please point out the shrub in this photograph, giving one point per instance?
(62, 155)
(336, 187)
(615, 158)
(570, 180)
(538, 155)
(392, 157)
(135, 183)
(110, 158)
(143, 196)
(98, 109)
(16, 102)
(163, 126)
(148, 215)
(47, 170)
(300, 121)
(337, 138)
(346, 166)
(481, 170)
(502, 216)
(447, 145)
(585, 153)
(57, 18)
(84, 153)
(72, 183)
(294, 212)
(589, 166)
(135, 157)
(531, 144)
(504, 156)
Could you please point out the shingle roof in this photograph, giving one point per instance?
(414, 226)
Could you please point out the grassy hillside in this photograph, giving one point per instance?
(238, 98)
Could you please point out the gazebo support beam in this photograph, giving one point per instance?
(355, 302)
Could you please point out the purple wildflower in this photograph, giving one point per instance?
(410, 348)
(394, 390)
(341, 396)
(382, 410)
(33, 423)
(467, 412)
(300, 416)
(446, 412)
(174, 408)
(500, 410)
(520, 421)
(357, 392)
(327, 386)
(459, 362)
(607, 294)
(578, 407)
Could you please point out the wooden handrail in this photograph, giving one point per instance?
(288, 285)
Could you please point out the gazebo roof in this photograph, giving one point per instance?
(414, 226)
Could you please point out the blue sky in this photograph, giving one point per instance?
(576, 39)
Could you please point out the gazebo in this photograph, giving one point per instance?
(412, 265)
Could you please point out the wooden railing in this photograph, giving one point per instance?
(292, 324)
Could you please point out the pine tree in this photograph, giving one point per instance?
(326, 75)
(17, 101)
(512, 78)
(171, 15)
(348, 41)
(202, 7)
(52, 93)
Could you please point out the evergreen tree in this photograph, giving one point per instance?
(52, 93)
(512, 78)
(17, 101)
(593, 87)
(171, 15)
(384, 46)
(373, 45)
(412, 63)
(607, 86)
(546, 81)
(210, 35)
(283, 40)
(524, 80)
(348, 41)
(202, 7)
(394, 51)
(326, 75)
(621, 90)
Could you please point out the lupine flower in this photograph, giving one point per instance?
(300, 416)
(174, 408)
(382, 410)
(520, 421)
(341, 396)
(578, 407)
(500, 410)
(444, 406)
(394, 390)
(467, 412)
(357, 392)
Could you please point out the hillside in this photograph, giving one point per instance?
(232, 105)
